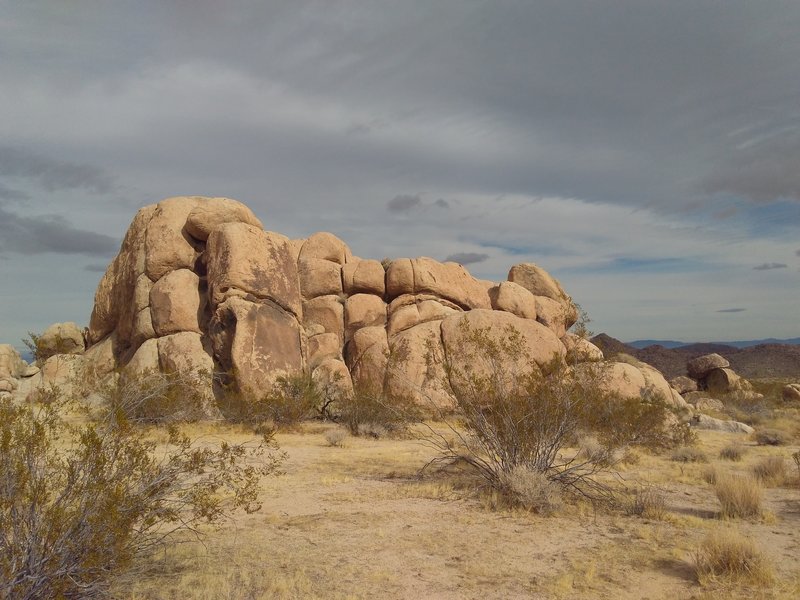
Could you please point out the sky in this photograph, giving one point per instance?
(646, 154)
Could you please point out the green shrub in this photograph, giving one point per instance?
(292, 398)
(80, 503)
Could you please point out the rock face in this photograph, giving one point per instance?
(199, 285)
(699, 367)
(791, 392)
(711, 373)
(61, 338)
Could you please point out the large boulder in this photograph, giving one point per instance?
(461, 333)
(723, 381)
(540, 283)
(683, 384)
(367, 356)
(177, 303)
(11, 363)
(580, 349)
(701, 421)
(409, 310)
(167, 245)
(210, 213)
(791, 392)
(363, 310)
(257, 342)
(319, 277)
(61, 338)
(326, 246)
(243, 260)
(699, 367)
(326, 312)
(416, 370)
(450, 281)
(364, 277)
(512, 297)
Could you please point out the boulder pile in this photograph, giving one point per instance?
(200, 285)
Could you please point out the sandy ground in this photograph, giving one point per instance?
(357, 522)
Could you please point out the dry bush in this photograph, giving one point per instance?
(739, 496)
(532, 491)
(727, 555)
(79, 503)
(709, 475)
(591, 449)
(335, 437)
(513, 416)
(732, 452)
(770, 470)
(796, 459)
(688, 454)
(292, 399)
(153, 397)
(771, 437)
(647, 502)
(369, 412)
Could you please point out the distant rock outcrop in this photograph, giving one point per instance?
(199, 284)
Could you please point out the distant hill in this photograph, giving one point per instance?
(741, 344)
(751, 361)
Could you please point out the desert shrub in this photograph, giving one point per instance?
(710, 474)
(80, 503)
(796, 459)
(648, 502)
(771, 437)
(770, 470)
(369, 412)
(732, 452)
(335, 437)
(531, 490)
(512, 416)
(739, 496)
(38, 350)
(154, 397)
(591, 449)
(728, 555)
(688, 454)
(291, 399)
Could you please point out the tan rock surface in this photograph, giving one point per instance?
(167, 245)
(319, 277)
(416, 370)
(327, 312)
(322, 347)
(61, 338)
(367, 356)
(326, 246)
(211, 213)
(245, 259)
(512, 297)
(702, 365)
(11, 363)
(364, 277)
(363, 310)
(450, 281)
(580, 349)
(176, 303)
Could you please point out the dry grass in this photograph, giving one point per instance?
(770, 470)
(336, 437)
(739, 496)
(771, 437)
(689, 454)
(532, 491)
(727, 555)
(733, 452)
(648, 502)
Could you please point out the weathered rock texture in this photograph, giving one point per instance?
(198, 284)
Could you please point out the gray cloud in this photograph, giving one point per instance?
(7, 193)
(467, 258)
(53, 175)
(797, 252)
(731, 310)
(96, 268)
(442, 203)
(770, 266)
(403, 203)
(50, 233)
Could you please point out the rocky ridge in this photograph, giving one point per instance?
(200, 285)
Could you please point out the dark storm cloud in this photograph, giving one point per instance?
(770, 266)
(53, 175)
(50, 233)
(403, 203)
(467, 258)
(731, 310)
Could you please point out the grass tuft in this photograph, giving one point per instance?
(730, 556)
(739, 497)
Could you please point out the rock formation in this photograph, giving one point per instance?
(199, 284)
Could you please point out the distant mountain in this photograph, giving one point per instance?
(670, 344)
(755, 360)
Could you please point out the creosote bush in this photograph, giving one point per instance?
(514, 415)
(78, 503)
(687, 454)
(292, 398)
(771, 437)
(153, 397)
(727, 555)
(369, 412)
